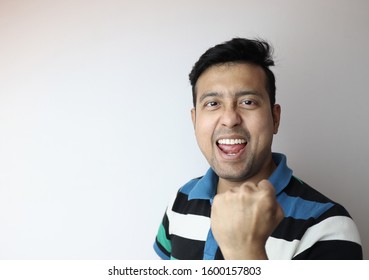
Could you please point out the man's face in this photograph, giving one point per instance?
(233, 120)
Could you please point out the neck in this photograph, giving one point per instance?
(225, 185)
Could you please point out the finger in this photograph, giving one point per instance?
(266, 185)
(248, 186)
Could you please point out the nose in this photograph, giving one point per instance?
(230, 117)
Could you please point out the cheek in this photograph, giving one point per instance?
(204, 132)
(262, 129)
(203, 135)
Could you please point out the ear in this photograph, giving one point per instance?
(276, 111)
(193, 116)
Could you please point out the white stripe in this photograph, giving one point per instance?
(188, 226)
(280, 249)
(334, 228)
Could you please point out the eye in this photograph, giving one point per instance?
(248, 103)
(211, 104)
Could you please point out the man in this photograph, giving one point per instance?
(248, 205)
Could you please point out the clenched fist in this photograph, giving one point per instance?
(243, 218)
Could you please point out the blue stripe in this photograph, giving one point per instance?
(160, 252)
(211, 247)
(299, 208)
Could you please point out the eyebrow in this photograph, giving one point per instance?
(210, 94)
(238, 94)
(247, 92)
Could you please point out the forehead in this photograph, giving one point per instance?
(231, 78)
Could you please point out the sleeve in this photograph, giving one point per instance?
(163, 244)
(334, 237)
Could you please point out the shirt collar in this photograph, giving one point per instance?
(282, 174)
(206, 187)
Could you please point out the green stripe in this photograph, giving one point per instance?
(162, 238)
(298, 179)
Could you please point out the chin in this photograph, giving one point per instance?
(232, 176)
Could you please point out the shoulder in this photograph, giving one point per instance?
(183, 192)
(315, 226)
(316, 205)
(182, 203)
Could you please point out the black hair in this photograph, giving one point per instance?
(237, 50)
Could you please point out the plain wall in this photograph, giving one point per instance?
(95, 128)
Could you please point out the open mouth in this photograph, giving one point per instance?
(231, 147)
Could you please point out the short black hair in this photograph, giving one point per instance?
(237, 50)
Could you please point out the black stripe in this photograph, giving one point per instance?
(199, 207)
(187, 249)
(332, 250)
(218, 255)
(300, 189)
(165, 223)
(291, 229)
(335, 210)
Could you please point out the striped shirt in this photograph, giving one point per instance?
(314, 227)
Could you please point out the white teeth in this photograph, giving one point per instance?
(231, 141)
